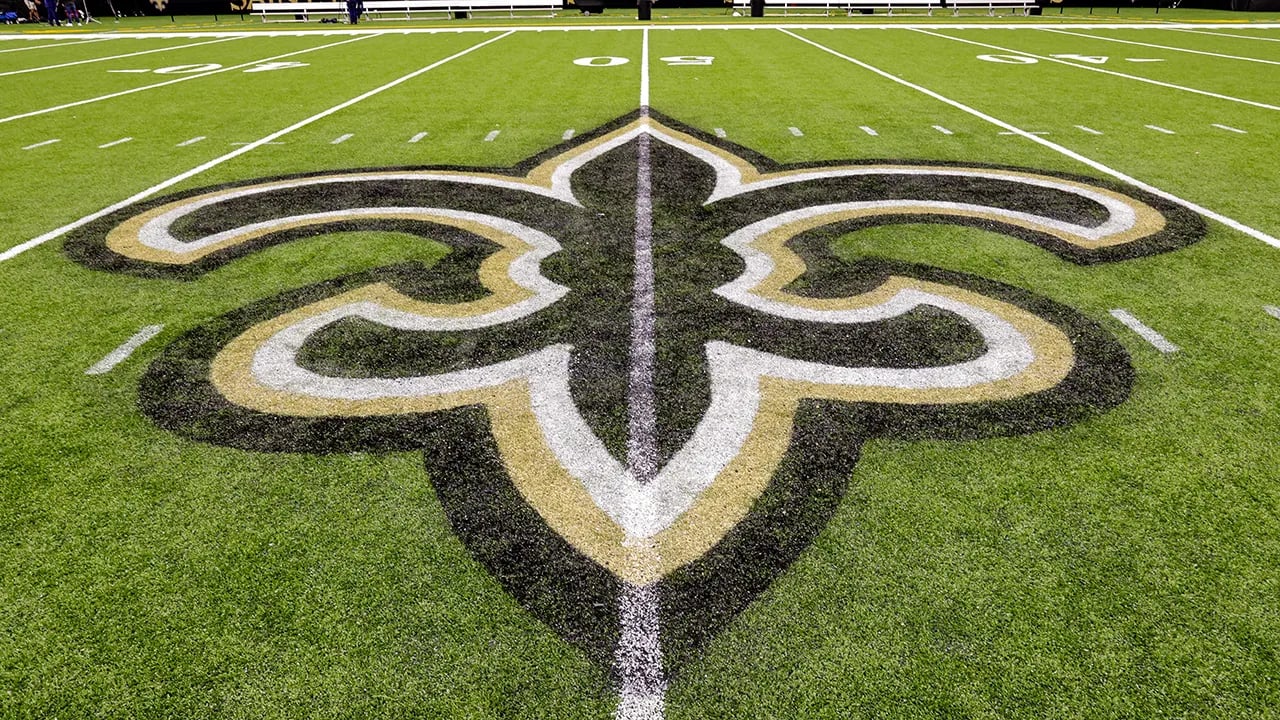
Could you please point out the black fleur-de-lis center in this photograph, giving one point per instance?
(516, 362)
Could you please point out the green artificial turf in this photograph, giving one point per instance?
(1122, 566)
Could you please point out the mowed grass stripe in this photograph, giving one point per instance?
(1034, 576)
(77, 63)
(1045, 50)
(183, 78)
(91, 180)
(1055, 98)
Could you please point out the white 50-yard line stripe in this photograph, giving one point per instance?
(122, 353)
(1164, 47)
(36, 242)
(184, 78)
(1157, 340)
(1233, 224)
(117, 57)
(1091, 68)
(54, 45)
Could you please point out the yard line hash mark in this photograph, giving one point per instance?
(1272, 310)
(242, 144)
(943, 130)
(568, 134)
(1144, 331)
(126, 348)
(33, 146)
(114, 57)
(341, 138)
(1023, 132)
(184, 78)
(720, 133)
(1091, 68)
(493, 135)
(192, 141)
(418, 137)
(1228, 128)
(180, 177)
(1159, 129)
(796, 131)
(1100, 167)
(1161, 47)
(868, 130)
(1089, 130)
(113, 143)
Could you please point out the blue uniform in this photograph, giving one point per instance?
(355, 8)
(51, 8)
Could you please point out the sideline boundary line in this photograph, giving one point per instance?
(1166, 47)
(119, 57)
(184, 78)
(59, 232)
(1149, 81)
(1100, 167)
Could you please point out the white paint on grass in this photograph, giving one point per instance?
(1222, 34)
(493, 135)
(1228, 128)
(568, 134)
(1091, 131)
(1144, 331)
(1164, 47)
(122, 353)
(943, 130)
(1272, 310)
(184, 78)
(180, 177)
(243, 144)
(1024, 132)
(1159, 129)
(1113, 73)
(417, 138)
(52, 45)
(1100, 167)
(341, 138)
(113, 143)
(114, 57)
(868, 130)
(796, 131)
(42, 143)
(192, 141)
(720, 133)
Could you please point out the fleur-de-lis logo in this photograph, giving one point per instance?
(641, 376)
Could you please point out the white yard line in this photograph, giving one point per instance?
(114, 143)
(1089, 130)
(184, 78)
(1113, 73)
(493, 135)
(418, 137)
(55, 45)
(943, 130)
(1027, 132)
(122, 353)
(114, 57)
(796, 131)
(1228, 128)
(868, 130)
(59, 232)
(42, 143)
(1165, 47)
(192, 141)
(1222, 34)
(1144, 331)
(1159, 129)
(341, 138)
(638, 659)
(1233, 224)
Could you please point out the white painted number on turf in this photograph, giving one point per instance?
(1091, 59)
(188, 69)
(601, 61)
(1009, 59)
(266, 67)
(688, 60)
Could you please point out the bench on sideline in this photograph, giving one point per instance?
(397, 9)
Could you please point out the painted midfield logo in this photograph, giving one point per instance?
(636, 484)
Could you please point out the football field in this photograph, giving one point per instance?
(915, 370)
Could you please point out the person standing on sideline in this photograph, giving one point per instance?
(51, 8)
(33, 11)
(355, 8)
